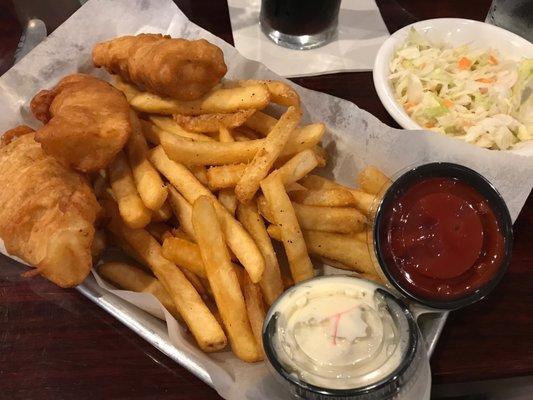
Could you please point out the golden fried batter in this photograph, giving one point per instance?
(87, 122)
(47, 211)
(177, 68)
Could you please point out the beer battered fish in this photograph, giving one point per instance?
(177, 68)
(87, 122)
(47, 211)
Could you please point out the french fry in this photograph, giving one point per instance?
(345, 249)
(324, 198)
(363, 236)
(216, 153)
(98, 245)
(238, 136)
(150, 186)
(333, 263)
(254, 97)
(224, 135)
(321, 155)
(182, 210)
(255, 308)
(223, 280)
(131, 207)
(128, 277)
(261, 122)
(297, 167)
(330, 219)
(150, 132)
(264, 159)
(184, 253)
(159, 230)
(169, 125)
(326, 219)
(163, 214)
(304, 138)
(180, 233)
(316, 182)
(227, 198)
(242, 133)
(212, 122)
(201, 322)
(280, 92)
(116, 241)
(285, 217)
(200, 172)
(224, 176)
(196, 282)
(365, 202)
(271, 283)
(294, 187)
(237, 238)
(129, 90)
(372, 180)
(204, 153)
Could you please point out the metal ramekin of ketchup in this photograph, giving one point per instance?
(442, 235)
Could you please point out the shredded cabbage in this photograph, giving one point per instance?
(471, 94)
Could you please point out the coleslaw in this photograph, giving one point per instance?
(471, 94)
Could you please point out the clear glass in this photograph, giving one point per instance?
(300, 24)
(514, 15)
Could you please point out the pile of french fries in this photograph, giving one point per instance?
(204, 186)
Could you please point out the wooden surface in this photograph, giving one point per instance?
(55, 344)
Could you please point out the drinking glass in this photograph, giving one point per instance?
(514, 15)
(300, 24)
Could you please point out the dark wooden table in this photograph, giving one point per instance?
(55, 344)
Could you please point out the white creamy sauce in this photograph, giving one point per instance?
(337, 334)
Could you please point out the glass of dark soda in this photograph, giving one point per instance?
(300, 24)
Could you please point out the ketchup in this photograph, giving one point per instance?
(442, 239)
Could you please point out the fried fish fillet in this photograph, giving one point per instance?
(177, 68)
(87, 122)
(47, 211)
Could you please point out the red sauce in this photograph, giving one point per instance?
(442, 240)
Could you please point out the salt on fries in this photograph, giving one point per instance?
(213, 122)
(285, 217)
(216, 153)
(203, 325)
(223, 280)
(131, 207)
(220, 167)
(254, 97)
(263, 159)
(271, 283)
(351, 254)
(237, 238)
(128, 277)
(150, 186)
(167, 124)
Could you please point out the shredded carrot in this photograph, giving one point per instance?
(485, 80)
(407, 106)
(430, 124)
(493, 60)
(464, 63)
(448, 103)
(483, 90)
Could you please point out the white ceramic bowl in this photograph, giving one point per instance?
(453, 31)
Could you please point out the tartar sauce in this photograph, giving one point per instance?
(337, 333)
